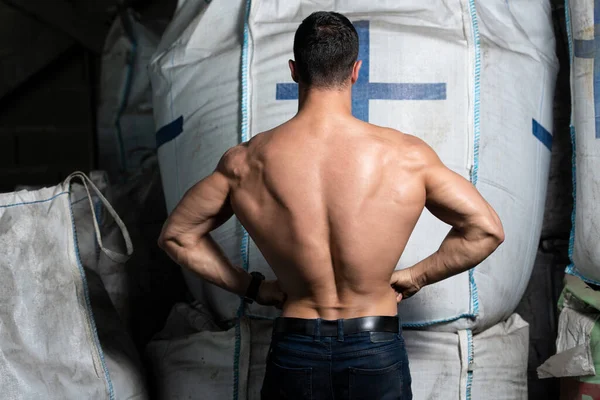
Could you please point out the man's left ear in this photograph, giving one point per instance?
(292, 65)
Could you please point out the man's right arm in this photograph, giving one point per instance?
(476, 228)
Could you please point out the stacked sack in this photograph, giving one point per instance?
(125, 125)
(578, 328)
(476, 82)
(582, 17)
(61, 335)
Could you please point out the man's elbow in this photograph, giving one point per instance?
(499, 236)
(496, 232)
(167, 240)
(166, 244)
(177, 245)
(488, 231)
(162, 242)
(162, 238)
(170, 245)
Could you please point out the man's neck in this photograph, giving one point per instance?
(325, 101)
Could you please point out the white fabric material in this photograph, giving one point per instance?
(125, 124)
(439, 369)
(193, 358)
(465, 348)
(409, 42)
(187, 362)
(49, 346)
(584, 99)
(113, 274)
(500, 356)
(573, 345)
(121, 357)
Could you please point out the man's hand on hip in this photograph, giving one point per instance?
(270, 294)
(404, 284)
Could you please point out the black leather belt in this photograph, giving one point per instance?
(330, 327)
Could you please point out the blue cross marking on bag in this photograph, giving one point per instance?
(365, 90)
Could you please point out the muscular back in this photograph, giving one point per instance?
(331, 206)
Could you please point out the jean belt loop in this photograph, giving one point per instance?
(317, 330)
(340, 330)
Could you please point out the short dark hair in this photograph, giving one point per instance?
(325, 49)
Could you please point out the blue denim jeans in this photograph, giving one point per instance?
(366, 365)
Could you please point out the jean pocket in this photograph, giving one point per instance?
(376, 384)
(287, 383)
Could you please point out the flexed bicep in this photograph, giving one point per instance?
(204, 207)
(476, 229)
(454, 200)
(185, 236)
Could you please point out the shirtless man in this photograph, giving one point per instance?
(331, 202)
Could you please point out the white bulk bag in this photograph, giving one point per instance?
(192, 358)
(489, 366)
(125, 124)
(51, 346)
(474, 80)
(582, 18)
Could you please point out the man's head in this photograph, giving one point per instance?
(325, 49)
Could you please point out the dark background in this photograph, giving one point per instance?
(51, 52)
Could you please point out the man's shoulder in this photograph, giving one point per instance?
(415, 144)
(235, 160)
(402, 141)
(410, 150)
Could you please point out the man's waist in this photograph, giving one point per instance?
(321, 327)
(348, 306)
